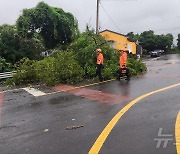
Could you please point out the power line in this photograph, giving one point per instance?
(165, 29)
(110, 17)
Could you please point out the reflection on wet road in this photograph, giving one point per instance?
(38, 124)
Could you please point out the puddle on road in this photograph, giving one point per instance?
(7, 131)
(36, 104)
(168, 63)
(30, 105)
(60, 100)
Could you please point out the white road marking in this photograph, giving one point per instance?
(10, 90)
(34, 92)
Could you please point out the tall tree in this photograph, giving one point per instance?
(132, 36)
(13, 47)
(54, 25)
(147, 39)
(150, 41)
(30, 48)
(4, 66)
(164, 42)
(178, 43)
(170, 40)
(9, 42)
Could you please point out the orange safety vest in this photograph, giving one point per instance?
(123, 59)
(100, 59)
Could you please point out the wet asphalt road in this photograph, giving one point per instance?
(43, 125)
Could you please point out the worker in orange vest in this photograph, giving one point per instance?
(99, 62)
(123, 58)
(123, 71)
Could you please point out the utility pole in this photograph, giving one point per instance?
(97, 18)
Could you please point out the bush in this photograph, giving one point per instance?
(62, 69)
(85, 48)
(4, 66)
(136, 67)
(9, 81)
(25, 72)
(110, 71)
(74, 64)
(67, 68)
(174, 51)
(45, 71)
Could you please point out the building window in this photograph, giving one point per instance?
(130, 48)
(112, 43)
(125, 45)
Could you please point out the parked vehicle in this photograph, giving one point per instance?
(156, 53)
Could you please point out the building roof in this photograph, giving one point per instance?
(112, 32)
(129, 39)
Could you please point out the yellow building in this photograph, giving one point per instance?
(119, 41)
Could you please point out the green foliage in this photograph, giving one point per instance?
(163, 42)
(62, 69)
(110, 72)
(169, 38)
(36, 29)
(45, 71)
(72, 65)
(9, 42)
(147, 40)
(30, 48)
(73, 55)
(136, 66)
(9, 82)
(55, 26)
(4, 66)
(178, 41)
(25, 72)
(175, 50)
(150, 41)
(13, 47)
(85, 49)
(67, 68)
(133, 37)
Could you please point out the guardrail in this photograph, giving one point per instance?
(5, 75)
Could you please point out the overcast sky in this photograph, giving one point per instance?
(123, 16)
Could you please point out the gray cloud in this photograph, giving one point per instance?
(123, 16)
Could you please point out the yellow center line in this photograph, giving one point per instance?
(177, 133)
(102, 137)
(88, 85)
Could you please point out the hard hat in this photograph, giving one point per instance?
(98, 50)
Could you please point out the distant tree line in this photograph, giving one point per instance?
(150, 41)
